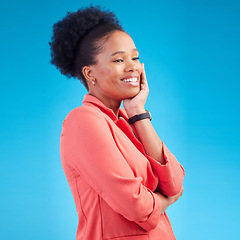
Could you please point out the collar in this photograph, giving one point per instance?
(121, 121)
(89, 99)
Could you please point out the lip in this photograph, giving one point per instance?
(133, 84)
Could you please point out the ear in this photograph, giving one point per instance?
(88, 73)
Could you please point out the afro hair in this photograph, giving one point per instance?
(71, 31)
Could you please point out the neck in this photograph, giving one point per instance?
(109, 103)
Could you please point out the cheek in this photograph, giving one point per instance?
(106, 77)
(111, 73)
(106, 72)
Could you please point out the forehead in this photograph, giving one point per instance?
(118, 42)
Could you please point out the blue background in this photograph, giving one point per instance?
(191, 53)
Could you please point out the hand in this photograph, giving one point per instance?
(136, 104)
(167, 201)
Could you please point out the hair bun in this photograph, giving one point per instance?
(70, 30)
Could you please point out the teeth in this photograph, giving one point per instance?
(130, 80)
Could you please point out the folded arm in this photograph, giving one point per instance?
(89, 147)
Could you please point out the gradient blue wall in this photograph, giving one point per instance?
(191, 52)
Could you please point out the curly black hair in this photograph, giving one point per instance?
(75, 40)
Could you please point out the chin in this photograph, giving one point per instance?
(133, 94)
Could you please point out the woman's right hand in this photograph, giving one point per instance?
(167, 201)
(136, 104)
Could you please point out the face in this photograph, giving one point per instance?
(117, 71)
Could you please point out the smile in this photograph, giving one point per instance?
(130, 80)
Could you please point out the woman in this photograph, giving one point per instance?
(121, 174)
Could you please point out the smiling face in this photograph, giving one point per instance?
(117, 72)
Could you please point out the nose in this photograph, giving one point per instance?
(131, 66)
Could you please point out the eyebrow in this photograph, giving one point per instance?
(119, 52)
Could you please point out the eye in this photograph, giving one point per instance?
(118, 60)
(136, 58)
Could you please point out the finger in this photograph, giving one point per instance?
(144, 78)
(144, 84)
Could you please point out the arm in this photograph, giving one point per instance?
(87, 145)
(146, 133)
(169, 171)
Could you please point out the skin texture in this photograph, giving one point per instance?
(117, 61)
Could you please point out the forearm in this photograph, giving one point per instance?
(150, 140)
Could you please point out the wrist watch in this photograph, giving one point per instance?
(140, 117)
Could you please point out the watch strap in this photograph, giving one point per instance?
(140, 117)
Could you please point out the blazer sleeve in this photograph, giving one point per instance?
(88, 146)
(170, 174)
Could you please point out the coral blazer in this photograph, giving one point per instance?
(111, 177)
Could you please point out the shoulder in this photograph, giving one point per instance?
(84, 117)
(84, 112)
